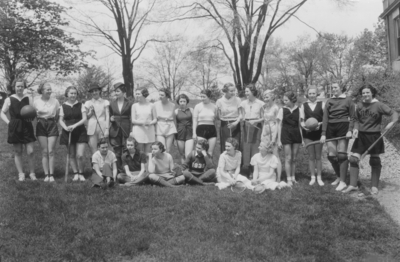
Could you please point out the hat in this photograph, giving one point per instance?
(119, 85)
(94, 87)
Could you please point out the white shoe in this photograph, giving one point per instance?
(32, 176)
(350, 188)
(82, 178)
(312, 182)
(334, 183)
(320, 182)
(294, 181)
(374, 191)
(76, 178)
(46, 179)
(51, 179)
(342, 185)
(21, 176)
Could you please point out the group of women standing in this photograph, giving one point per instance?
(266, 127)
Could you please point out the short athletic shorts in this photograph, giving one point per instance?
(312, 135)
(46, 127)
(365, 140)
(337, 129)
(206, 131)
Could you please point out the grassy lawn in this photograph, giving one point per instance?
(72, 222)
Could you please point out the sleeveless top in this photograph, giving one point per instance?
(184, 117)
(318, 112)
(164, 112)
(16, 105)
(72, 114)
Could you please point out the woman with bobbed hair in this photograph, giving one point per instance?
(253, 116)
(338, 121)
(144, 117)
(72, 119)
(120, 118)
(184, 124)
(230, 114)
(165, 127)
(204, 117)
(368, 120)
(289, 134)
(20, 131)
(47, 109)
(313, 108)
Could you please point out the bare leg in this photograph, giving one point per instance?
(72, 158)
(181, 149)
(212, 142)
(311, 161)
(279, 167)
(31, 160)
(162, 140)
(51, 146)
(18, 159)
(168, 142)
(318, 153)
(332, 157)
(295, 151)
(43, 142)
(288, 161)
(80, 151)
(93, 143)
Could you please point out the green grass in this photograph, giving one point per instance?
(72, 222)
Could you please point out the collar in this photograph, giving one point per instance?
(183, 110)
(69, 104)
(19, 98)
(341, 96)
(291, 109)
(374, 100)
(97, 100)
(309, 101)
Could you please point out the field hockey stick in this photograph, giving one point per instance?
(67, 165)
(98, 123)
(327, 140)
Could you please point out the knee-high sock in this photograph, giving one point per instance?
(335, 164)
(344, 165)
(354, 170)
(376, 167)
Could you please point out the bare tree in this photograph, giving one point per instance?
(130, 17)
(245, 24)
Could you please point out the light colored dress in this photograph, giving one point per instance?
(143, 134)
(229, 164)
(165, 119)
(270, 128)
(46, 109)
(266, 170)
(100, 106)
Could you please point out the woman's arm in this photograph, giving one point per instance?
(255, 174)
(62, 123)
(195, 116)
(83, 120)
(127, 171)
(154, 115)
(4, 110)
(133, 115)
(115, 170)
(325, 122)
(107, 109)
(96, 168)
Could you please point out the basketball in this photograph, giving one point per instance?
(28, 112)
(312, 123)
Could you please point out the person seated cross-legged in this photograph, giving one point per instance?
(134, 163)
(198, 166)
(104, 166)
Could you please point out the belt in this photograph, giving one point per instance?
(121, 117)
(229, 121)
(46, 119)
(164, 120)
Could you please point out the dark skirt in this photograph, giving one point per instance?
(20, 132)
(365, 140)
(46, 127)
(78, 135)
(290, 135)
(312, 135)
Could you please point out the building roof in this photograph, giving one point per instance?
(390, 8)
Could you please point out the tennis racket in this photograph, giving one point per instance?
(258, 189)
(238, 187)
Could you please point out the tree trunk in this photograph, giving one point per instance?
(127, 74)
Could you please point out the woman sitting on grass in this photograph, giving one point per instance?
(104, 165)
(229, 166)
(134, 163)
(161, 168)
(265, 174)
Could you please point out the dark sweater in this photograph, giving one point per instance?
(368, 116)
(338, 110)
(197, 164)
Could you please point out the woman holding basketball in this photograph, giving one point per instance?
(338, 122)
(313, 110)
(270, 130)
(229, 114)
(47, 109)
(72, 119)
(204, 116)
(253, 117)
(165, 127)
(289, 134)
(20, 131)
(368, 120)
